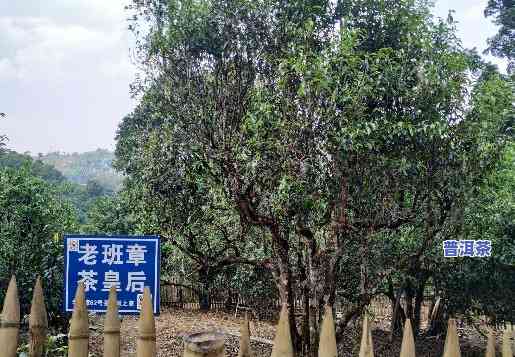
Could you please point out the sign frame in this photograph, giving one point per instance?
(156, 300)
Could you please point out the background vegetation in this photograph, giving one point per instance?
(82, 168)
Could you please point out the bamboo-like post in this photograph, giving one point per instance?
(327, 345)
(452, 342)
(506, 343)
(490, 347)
(78, 337)
(112, 326)
(367, 346)
(204, 344)
(146, 340)
(10, 321)
(38, 322)
(245, 350)
(408, 341)
(283, 346)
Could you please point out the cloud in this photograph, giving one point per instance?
(475, 12)
(104, 14)
(65, 73)
(7, 69)
(38, 48)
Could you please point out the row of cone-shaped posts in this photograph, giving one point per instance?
(10, 322)
(79, 327)
(211, 344)
(452, 347)
(146, 340)
(283, 346)
(78, 338)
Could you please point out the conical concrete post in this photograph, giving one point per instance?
(245, 350)
(367, 345)
(408, 341)
(38, 322)
(283, 346)
(452, 342)
(78, 337)
(506, 343)
(490, 346)
(112, 326)
(146, 340)
(10, 321)
(327, 345)
(370, 341)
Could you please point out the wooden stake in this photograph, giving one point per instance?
(327, 345)
(283, 346)
(10, 321)
(78, 337)
(146, 340)
(408, 341)
(38, 322)
(112, 327)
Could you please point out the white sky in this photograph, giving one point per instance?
(473, 28)
(65, 69)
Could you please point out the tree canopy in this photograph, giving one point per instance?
(32, 221)
(37, 167)
(337, 144)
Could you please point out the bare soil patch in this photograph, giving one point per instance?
(172, 325)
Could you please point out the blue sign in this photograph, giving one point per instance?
(129, 263)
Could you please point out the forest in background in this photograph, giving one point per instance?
(81, 179)
(87, 166)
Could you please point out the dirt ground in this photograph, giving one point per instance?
(172, 325)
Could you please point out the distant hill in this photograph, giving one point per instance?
(16, 160)
(84, 167)
(79, 178)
